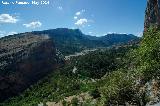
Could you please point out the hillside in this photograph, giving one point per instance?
(79, 75)
(28, 57)
(123, 75)
(64, 67)
(69, 41)
(115, 39)
(24, 59)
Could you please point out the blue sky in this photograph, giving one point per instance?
(93, 17)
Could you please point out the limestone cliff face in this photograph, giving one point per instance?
(24, 59)
(152, 16)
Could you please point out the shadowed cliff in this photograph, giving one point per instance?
(24, 59)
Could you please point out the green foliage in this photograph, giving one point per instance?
(109, 86)
(69, 41)
(64, 103)
(74, 102)
(95, 93)
(53, 88)
(96, 64)
(143, 64)
(148, 54)
(118, 88)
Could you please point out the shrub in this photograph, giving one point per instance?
(95, 93)
(74, 102)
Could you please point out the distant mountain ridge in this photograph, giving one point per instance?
(114, 39)
(69, 41)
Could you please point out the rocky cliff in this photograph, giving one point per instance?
(152, 16)
(24, 59)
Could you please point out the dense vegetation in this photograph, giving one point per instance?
(132, 84)
(69, 41)
(64, 82)
(115, 76)
(26, 55)
(96, 64)
(114, 39)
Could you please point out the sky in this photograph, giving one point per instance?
(92, 17)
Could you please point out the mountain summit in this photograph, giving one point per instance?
(152, 16)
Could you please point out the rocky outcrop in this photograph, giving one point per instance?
(152, 16)
(24, 59)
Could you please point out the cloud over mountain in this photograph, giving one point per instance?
(34, 24)
(81, 21)
(4, 33)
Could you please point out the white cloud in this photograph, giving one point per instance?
(75, 17)
(33, 25)
(108, 33)
(90, 32)
(60, 8)
(4, 33)
(123, 33)
(81, 22)
(80, 12)
(6, 18)
(113, 33)
(77, 14)
(12, 33)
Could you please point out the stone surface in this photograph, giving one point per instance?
(152, 16)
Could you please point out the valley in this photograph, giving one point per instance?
(84, 52)
(65, 67)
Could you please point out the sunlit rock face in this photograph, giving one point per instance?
(152, 16)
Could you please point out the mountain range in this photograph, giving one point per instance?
(69, 41)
